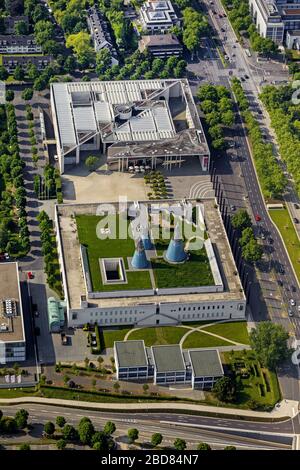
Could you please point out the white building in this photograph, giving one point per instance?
(158, 16)
(167, 364)
(129, 305)
(12, 333)
(148, 121)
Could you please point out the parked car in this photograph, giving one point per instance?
(296, 221)
(280, 283)
(292, 302)
(259, 111)
(30, 275)
(258, 218)
(271, 241)
(281, 270)
(232, 207)
(296, 206)
(290, 312)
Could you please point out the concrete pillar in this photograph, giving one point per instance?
(77, 155)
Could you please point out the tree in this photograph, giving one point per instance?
(247, 235)
(100, 361)
(3, 73)
(86, 430)
(100, 438)
(227, 118)
(230, 448)
(80, 43)
(156, 439)
(91, 162)
(270, 343)
(203, 446)
(49, 428)
(24, 447)
(27, 94)
(116, 386)
(103, 61)
(252, 251)
(60, 421)
(19, 73)
(9, 95)
(179, 444)
(69, 433)
(21, 28)
(8, 425)
(241, 219)
(145, 388)
(133, 434)
(61, 444)
(21, 418)
(109, 428)
(225, 389)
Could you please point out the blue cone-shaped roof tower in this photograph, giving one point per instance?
(139, 260)
(146, 239)
(175, 252)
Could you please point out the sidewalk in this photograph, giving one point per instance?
(285, 409)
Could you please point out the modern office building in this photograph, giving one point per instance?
(153, 122)
(12, 332)
(161, 45)
(19, 45)
(167, 364)
(100, 33)
(278, 20)
(158, 16)
(105, 283)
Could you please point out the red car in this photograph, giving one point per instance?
(258, 218)
(30, 275)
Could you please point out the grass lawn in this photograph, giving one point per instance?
(17, 392)
(281, 218)
(201, 340)
(110, 336)
(108, 248)
(161, 335)
(194, 272)
(236, 331)
(260, 386)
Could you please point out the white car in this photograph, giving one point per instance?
(298, 308)
(292, 302)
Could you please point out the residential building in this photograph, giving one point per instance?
(111, 293)
(100, 33)
(19, 45)
(158, 16)
(161, 45)
(132, 122)
(167, 364)
(10, 62)
(11, 21)
(12, 332)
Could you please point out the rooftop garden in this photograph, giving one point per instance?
(194, 272)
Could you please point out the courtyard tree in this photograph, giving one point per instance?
(133, 434)
(203, 446)
(9, 95)
(86, 430)
(19, 73)
(225, 389)
(156, 439)
(270, 343)
(27, 94)
(8, 425)
(69, 433)
(179, 444)
(91, 162)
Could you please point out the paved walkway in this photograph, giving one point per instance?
(286, 408)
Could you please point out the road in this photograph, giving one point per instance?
(271, 290)
(194, 429)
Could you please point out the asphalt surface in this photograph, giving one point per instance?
(217, 431)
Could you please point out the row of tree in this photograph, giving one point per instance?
(49, 252)
(285, 120)
(251, 250)
(195, 27)
(240, 18)
(14, 234)
(271, 176)
(217, 106)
